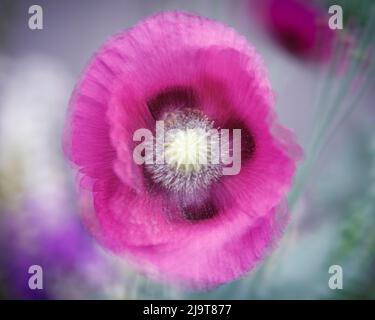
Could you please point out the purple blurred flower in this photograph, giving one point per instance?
(36, 235)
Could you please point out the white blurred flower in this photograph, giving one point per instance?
(34, 94)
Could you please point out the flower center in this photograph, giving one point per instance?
(187, 150)
(191, 153)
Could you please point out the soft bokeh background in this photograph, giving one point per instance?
(325, 93)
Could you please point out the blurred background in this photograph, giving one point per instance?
(324, 84)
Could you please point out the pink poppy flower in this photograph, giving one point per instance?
(299, 26)
(194, 226)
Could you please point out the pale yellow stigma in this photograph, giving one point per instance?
(186, 150)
